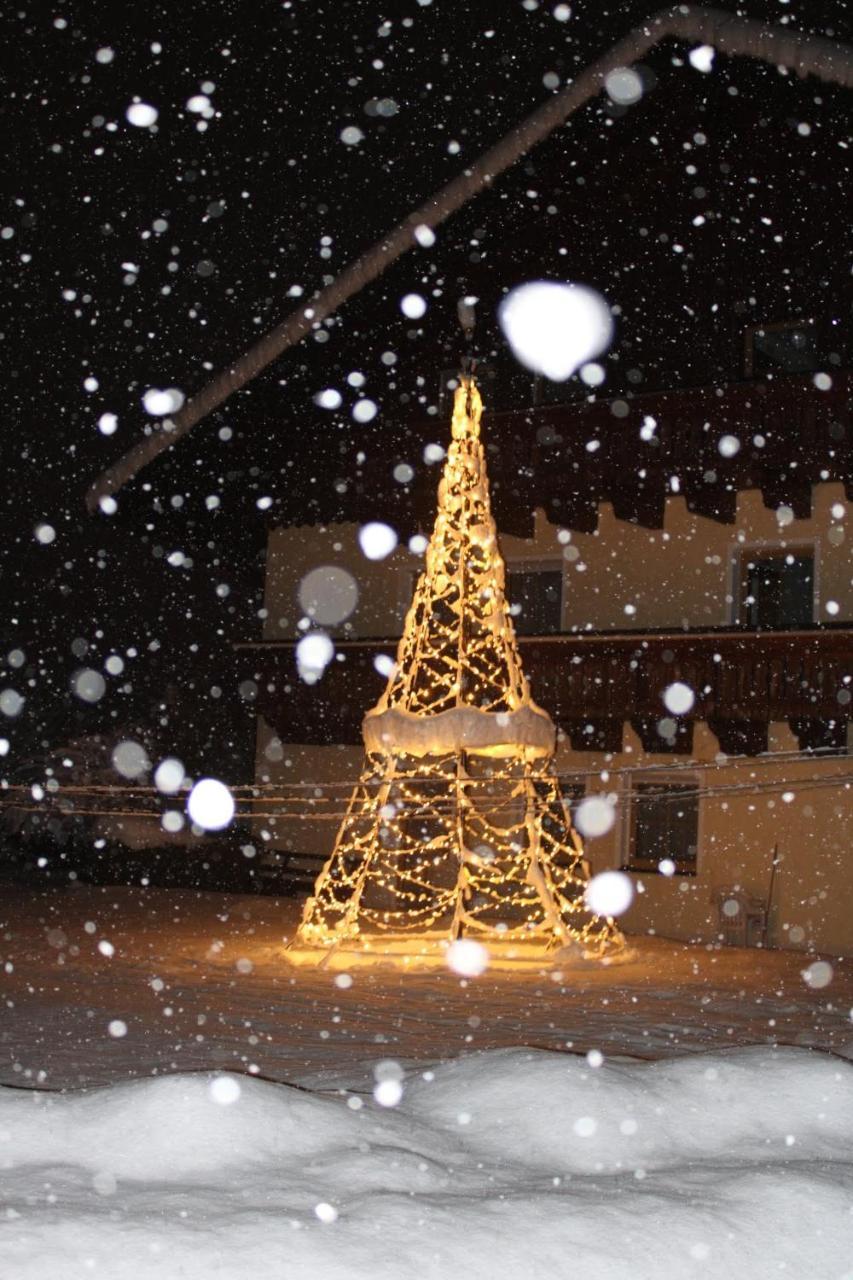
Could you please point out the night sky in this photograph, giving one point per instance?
(147, 257)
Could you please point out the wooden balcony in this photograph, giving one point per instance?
(592, 683)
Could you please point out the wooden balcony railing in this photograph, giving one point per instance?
(593, 683)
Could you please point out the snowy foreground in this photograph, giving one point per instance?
(508, 1163)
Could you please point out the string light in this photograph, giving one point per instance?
(457, 827)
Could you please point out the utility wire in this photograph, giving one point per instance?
(666, 768)
(493, 806)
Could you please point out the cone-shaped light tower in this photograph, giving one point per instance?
(457, 827)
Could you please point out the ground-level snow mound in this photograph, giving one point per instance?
(174, 1128)
(497, 1165)
(566, 1114)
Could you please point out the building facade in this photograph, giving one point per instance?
(680, 574)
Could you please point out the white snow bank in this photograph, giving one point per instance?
(743, 1105)
(502, 1164)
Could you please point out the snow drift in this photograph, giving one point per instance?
(499, 1164)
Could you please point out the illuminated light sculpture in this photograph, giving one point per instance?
(457, 827)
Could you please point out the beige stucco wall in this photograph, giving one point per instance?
(740, 832)
(384, 586)
(678, 576)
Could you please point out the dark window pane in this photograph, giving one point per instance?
(664, 824)
(574, 790)
(779, 591)
(789, 349)
(539, 595)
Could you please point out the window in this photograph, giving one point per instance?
(536, 600)
(790, 346)
(664, 826)
(777, 589)
(574, 790)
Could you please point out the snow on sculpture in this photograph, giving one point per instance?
(457, 827)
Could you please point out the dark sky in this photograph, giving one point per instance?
(146, 258)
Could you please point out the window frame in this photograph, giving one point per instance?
(772, 326)
(573, 789)
(539, 564)
(673, 778)
(767, 549)
(408, 577)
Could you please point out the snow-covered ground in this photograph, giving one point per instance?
(507, 1163)
(200, 982)
(188, 1105)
